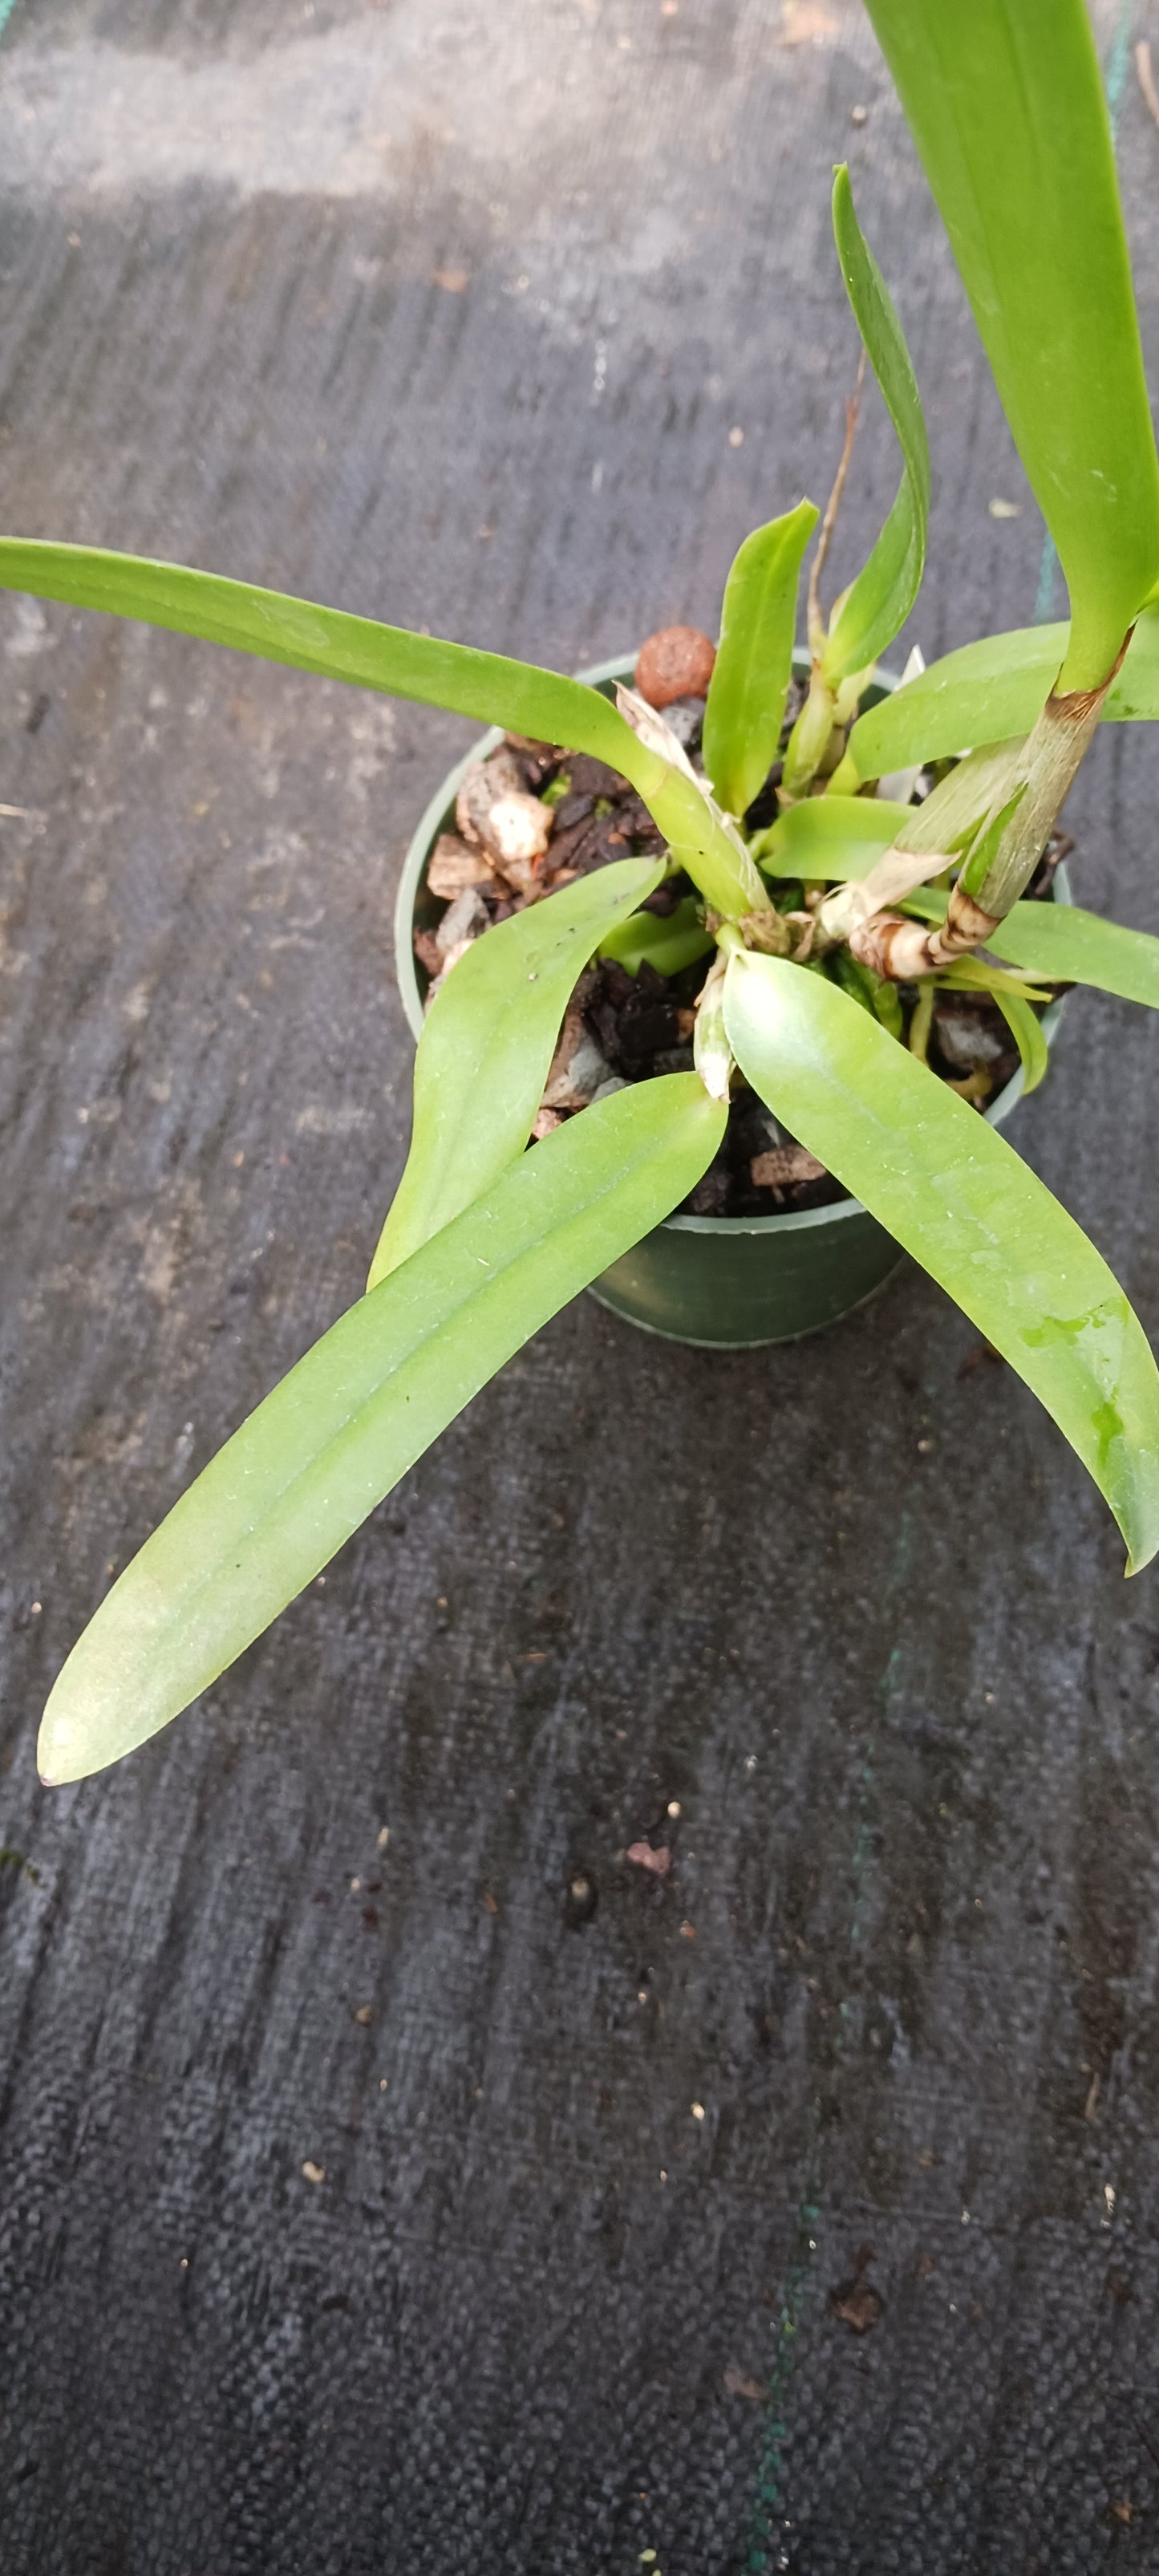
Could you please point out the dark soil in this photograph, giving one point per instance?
(642, 1024)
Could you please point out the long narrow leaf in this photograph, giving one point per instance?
(884, 592)
(1005, 101)
(746, 695)
(1026, 1031)
(1065, 945)
(988, 691)
(1069, 946)
(983, 693)
(293, 1484)
(487, 685)
(486, 1046)
(953, 1192)
(979, 975)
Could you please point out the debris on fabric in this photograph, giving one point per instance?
(653, 1856)
(739, 2384)
(856, 2301)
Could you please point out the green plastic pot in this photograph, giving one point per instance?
(723, 1283)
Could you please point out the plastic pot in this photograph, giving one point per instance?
(723, 1283)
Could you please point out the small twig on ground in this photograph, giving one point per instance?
(1147, 78)
(833, 504)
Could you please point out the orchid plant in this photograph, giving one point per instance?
(486, 1240)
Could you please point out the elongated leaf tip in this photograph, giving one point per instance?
(354, 1415)
(59, 1758)
(1141, 1550)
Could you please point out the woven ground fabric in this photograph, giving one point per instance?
(364, 2202)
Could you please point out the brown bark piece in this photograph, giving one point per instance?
(455, 866)
(784, 1164)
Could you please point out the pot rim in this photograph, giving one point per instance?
(793, 1220)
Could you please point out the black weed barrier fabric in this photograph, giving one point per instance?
(369, 2200)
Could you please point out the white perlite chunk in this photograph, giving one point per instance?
(493, 808)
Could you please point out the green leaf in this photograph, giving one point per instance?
(1064, 945)
(887, 1005)
(1005, 102)
(856, 980)
(983, 693)
(930, 903)
(487, 1042)
(1027, 1034)
(292, 1485)
(487, 685)
(953, 1192)
(880, 599)
(839, 836)
(668, 941)
(948, 818)
(988, 691)
(1069, 946)
(746, 695)
(984, 849)
(877, 994)
(976, 975)
(1133, 696)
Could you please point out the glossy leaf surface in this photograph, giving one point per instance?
(969, 974)
(290, 1487)
(953, 1192)
(1069, 946)
(983, 693)
(830, 836)
(515, 694)
(746, 695)
(1133, 696)
(1005, 101)
(668, 941)
(1026, 1030)
(1065, 945)
(987, 691)
(487, 1042)
(880, 600)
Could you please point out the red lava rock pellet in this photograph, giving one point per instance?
(676, 662)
